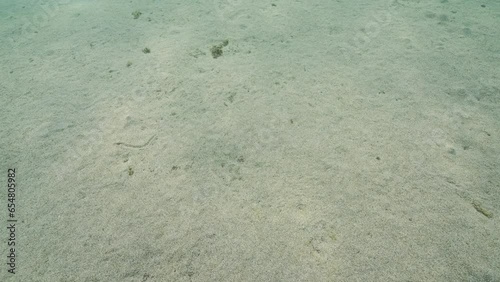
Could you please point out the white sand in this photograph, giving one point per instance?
(332, 140)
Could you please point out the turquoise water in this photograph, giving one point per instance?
(228, 140)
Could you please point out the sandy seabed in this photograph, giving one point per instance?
(231, 140)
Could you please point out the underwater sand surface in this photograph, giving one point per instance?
(230, 140)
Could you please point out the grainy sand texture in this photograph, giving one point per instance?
(265, 140)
